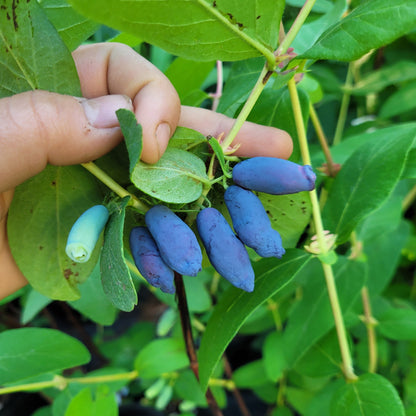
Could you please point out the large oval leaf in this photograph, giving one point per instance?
(367, 179)
(42, 213)
(199, 29)
(311, 317)
(369, 26)
(27, 60)
(28, 352)
(176, 178)
(71, 26)
(371, 395)
(115, 275)
(236, 305)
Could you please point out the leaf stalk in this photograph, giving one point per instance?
(114, 186)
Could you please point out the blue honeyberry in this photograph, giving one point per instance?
(148, 260)
(251, 222)
(273, 176)
(225, 251)
(85, 232)
(175, 240)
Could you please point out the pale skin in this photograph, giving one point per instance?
(39, 128)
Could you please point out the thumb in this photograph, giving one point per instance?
(39, 127)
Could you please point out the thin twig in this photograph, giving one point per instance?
(238, 397)
(189, 341)
(218, 92)
(323, 141)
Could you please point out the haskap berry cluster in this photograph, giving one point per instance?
(168, 244)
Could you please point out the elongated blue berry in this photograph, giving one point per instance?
(251, 222)
(148, 260)
(273, 176)
(85, 232)
(175, 240)
(225, 251)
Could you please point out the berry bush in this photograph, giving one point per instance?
(207, 283)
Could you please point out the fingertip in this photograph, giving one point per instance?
(157, 108)
(252, 140)
(257, 140)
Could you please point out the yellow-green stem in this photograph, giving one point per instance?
(248, 106)
(371, 333)
(114, 186)
(345, 102)
(61, 382)
(409, 199)
(220, 382)
(296, 26)
(327, 268)
(273, 307)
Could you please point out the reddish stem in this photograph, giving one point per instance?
(189, 341)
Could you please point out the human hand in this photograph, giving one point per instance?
(39, 128)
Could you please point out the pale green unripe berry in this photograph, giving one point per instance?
(85, 232)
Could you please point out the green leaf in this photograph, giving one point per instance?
(187, 76)
(177, 177)
(199, 30)
(320, 6)
(321, 402)
(323, 359)
(310, 31)
(43, 210)
(383, 254)
(289, 214)
(371, 395)
(274, 108)
(73, 28)
(199, 299)
(217, 149)
(122, 351)
(367, 27)
(236, 305)
(93, 303)
(311, 317)
(33, 303)
(383, 234)
(398, 324)
(27, 60)
(259, 18)
(132, 132)
(240, 82)
(187, 387)
(400, 102)
(312, 87)
(43, 411)
(273, 356)
(84, 404)
(115, 275)
(28, 352)
(250, 375)
(161, 356)
(376, 81)
(185, 139)
(367, 179)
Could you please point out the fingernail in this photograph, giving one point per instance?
(101, 111)
(162, 137)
